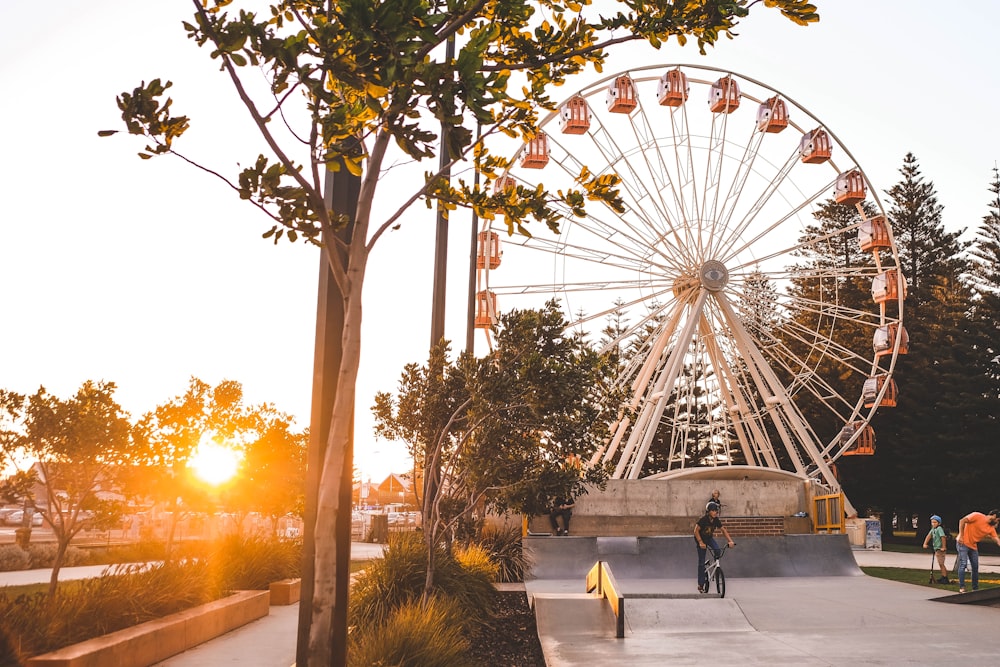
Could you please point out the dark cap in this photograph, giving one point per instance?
(712, 506)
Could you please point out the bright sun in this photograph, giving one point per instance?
(214, 463)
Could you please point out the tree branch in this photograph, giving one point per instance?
(315, 197)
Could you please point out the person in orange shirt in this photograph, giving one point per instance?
(973, 528)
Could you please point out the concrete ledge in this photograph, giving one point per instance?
(157, 640)
(286, 591)
(591, 525)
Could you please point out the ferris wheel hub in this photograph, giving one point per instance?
(714, 275)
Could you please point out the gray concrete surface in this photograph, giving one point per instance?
(670, 557)
(841, 619)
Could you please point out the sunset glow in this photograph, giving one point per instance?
(214, 463)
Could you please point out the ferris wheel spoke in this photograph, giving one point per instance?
(643, 232)
(773, 229)
(738, 184)
(771, 188)
(619, 162)
(615, 250)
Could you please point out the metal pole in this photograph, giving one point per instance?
(432, 476)
(441, 242)
(470, 324)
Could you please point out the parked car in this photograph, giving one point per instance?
(17, 516)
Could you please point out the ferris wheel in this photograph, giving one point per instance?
(747, 280)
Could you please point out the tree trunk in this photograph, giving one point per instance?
(63, 543)
(327, 639)
(332, 529)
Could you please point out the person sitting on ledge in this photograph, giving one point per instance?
(561, 508)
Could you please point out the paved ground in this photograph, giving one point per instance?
(838, 620)
(848, 619)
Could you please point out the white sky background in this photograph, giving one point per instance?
(148, 272)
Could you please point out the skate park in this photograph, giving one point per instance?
(795, 598)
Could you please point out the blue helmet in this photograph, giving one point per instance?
(712, 506)
(936, 518)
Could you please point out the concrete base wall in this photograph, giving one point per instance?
(670, 507)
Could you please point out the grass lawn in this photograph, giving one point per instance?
(920, 577)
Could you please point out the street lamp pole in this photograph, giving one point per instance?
(441, 241)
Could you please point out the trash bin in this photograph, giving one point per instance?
(380, 528)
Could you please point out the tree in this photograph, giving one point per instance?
(369, 75)
(170, 434)
(926, 250)
(985, 275)
(16, 486)
(272, 475)
(508, 431)
(935, 415)
(80, 445)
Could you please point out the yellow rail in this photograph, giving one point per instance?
(828, 513)
(601, 581)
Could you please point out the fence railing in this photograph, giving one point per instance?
(828, 513)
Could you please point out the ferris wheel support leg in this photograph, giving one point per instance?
(668, 378)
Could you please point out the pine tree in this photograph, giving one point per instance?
(926, 250)
(985, 278)
(921, 461)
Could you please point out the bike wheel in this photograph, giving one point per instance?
(720, 583)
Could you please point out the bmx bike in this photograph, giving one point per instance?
(713, 571)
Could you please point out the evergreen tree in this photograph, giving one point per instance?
(926, 250)
(830, 309)
(985, 277)
(981, 426)
(921, 464)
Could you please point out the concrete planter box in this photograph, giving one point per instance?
(286, 591)
(157, 640)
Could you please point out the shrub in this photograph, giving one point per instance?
(44, 555)
(504, 547)
(120, 598)
(475, 560)
(472, 589)
(398, 578)
(136, 552)
(389, 582)
(413, 636)
(12, 558)
(9, 655)
(253, 562)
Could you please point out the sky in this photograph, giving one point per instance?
(146, 273)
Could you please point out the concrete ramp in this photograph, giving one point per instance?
(572, 617)
(562, 617)
(674, 557)
(659, 616)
